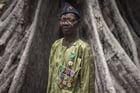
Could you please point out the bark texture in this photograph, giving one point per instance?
(29, 27)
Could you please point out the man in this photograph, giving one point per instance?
(71, 67)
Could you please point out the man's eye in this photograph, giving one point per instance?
(67, 19)
(72, 20)
(63, 19)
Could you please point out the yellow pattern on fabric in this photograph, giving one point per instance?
(83, 65)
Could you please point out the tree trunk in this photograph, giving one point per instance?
(29, 27)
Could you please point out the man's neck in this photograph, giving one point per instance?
(69, 39)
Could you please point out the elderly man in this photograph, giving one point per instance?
(71, 65)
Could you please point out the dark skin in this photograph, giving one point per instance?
(68, 25)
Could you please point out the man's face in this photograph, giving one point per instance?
(68, 23)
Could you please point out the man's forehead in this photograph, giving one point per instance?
(71, 15)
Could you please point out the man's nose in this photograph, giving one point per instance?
(66, 22)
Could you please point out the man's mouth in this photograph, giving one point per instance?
(66, 27)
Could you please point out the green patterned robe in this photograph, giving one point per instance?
(83, 66)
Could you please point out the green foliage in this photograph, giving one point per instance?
(2, 4)
(2, 1)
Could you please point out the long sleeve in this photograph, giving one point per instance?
(87, 72)
(50, 69)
